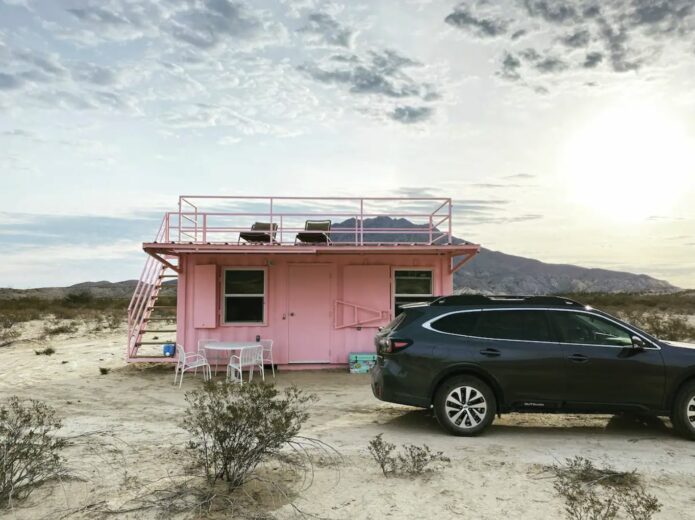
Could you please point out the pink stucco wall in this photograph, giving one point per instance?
(301, 295)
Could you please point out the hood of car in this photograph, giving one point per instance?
(680, 344)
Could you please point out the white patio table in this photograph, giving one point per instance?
(229, 346)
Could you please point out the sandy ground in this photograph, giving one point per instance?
(131, 419)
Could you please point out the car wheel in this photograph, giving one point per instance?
(683, 416)
(464, 405)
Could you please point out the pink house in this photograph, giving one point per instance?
(270, 267)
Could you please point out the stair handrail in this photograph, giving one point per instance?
(137, 308)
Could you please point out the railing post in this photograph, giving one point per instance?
(430, 228)
(205, 228)
(270, 232)
(195, 227)
(179, 240)
(361, 222)
(450, 235)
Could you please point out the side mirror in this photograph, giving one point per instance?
(638, 343)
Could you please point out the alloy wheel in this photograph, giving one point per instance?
(690, 412)
(466, 407)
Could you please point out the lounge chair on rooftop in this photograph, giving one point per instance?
(315, 232)
(260, 233)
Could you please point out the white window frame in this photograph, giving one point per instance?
(395, 295)
(223, 305)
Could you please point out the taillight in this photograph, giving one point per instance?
(396, 345)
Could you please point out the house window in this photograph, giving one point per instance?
(411, 286)
(244, 296)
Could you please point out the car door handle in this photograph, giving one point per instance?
(490, 352)
(578, 358)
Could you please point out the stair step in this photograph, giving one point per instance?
(168, 275)
(173, 318)
(162, 307)
(150, 356)
(137, 344)
(157, 331)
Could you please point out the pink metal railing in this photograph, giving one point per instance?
(212, 219)
(147, 287)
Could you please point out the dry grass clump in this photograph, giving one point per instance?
(9, 331)
(593, 493)
(55, 328)
(48, 351)
(29, 449)
(410, 461)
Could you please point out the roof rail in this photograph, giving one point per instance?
(481, 299)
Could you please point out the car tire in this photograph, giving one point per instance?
(683, 415)
(459, 414)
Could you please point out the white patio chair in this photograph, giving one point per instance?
(190, 361)
(268, 353)
(249, 357)
(211, 356)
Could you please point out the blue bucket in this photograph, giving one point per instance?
(169, 349)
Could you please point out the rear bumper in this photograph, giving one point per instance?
(385, 387)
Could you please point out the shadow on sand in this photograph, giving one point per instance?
(630, 426)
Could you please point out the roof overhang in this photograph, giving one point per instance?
(178, 248)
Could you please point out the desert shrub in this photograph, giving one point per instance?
(28, 308)
(29, 449)
(55, 328)
(593, 493)
(661, 325)
(234, 428)
(48, 351)
(410, 461)
(8, 331)
(79, 299)
(103, 371)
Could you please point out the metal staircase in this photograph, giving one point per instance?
(145, 338)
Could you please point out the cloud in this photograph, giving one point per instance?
(10, 81)
(91, 73)
(592, 59)
(327, 30)
(409, 115)
(550, 64)
(462, 18)
(381, 75)
(205, 24)
(521, 176)
(555, 11)
(620, 36)
(661, 15)
(510, 67)
(100, 15)
(615, 39)
(577, 39)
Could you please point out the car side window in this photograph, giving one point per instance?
(528, 325)
(457, 323)
(576, 327)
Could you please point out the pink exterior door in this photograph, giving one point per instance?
(308, 312)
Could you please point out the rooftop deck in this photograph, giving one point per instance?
(214, 224)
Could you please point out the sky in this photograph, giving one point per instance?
(563, 130)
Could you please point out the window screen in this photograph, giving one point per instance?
(411, 286)
(458, 323)
(244, 296)
(513, 324)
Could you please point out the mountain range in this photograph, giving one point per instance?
(490, 272)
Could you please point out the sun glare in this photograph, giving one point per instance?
(627, 163)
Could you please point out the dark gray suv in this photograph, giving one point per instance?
(471, 357)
